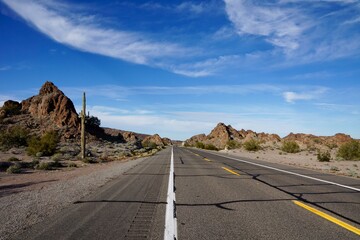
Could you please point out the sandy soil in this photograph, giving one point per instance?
(303, 159)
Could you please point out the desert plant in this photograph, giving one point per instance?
(44, 166)
(46, 144)
(324, 156)
(92, 121)
(200, 145)
(14, 137)
(13, 159)
(290, 147)
(252, 145)
(211, 147)
(349, 150)
(72, 165)
(14, 169)
(232, 144)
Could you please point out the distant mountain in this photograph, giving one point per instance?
(222, 134)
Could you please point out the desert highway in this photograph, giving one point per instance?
(217, 197)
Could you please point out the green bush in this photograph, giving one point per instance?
(14, 137)
(14, 169)
(232, 144)
(349, 150)
(211, 147)
(45, 145)
(200, 145)
(252, 145)
(324, 157)
(13, 159)
(91, 121)
(45, 166)
(72, 165)
(290, 147)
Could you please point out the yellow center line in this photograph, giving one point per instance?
(328, 217)
(231, 171)
(206, 159)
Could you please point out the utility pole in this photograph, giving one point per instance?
(83, 116)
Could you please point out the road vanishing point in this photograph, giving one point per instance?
(217, 197)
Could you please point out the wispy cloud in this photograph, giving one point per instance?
(280, 26)
(5, 68)
(292, 97)
(87, 34)
(297, 28)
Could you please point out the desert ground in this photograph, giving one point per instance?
(303, 159)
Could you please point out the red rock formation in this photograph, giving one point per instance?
(53, 104)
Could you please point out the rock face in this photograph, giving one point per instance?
(222, 134)
(156, 139)
(53, 104)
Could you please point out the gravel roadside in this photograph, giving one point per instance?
(21, 210)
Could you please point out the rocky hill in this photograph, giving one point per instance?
(51, 109)
(223, 134)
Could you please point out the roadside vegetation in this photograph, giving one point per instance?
(43, 146)
(15, 136)
(252, 145)
(206, 146)
(290, 147)
(349, 151)
(324, 156)
(232, 144)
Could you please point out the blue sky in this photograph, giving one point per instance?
(177, 68)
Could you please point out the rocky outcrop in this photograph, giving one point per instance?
(222, 134)
(52, 103)
(155, 139)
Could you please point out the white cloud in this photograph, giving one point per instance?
(292, 97)
(280, 26)
(86, 34)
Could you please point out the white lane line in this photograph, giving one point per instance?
(288, 172)
(170, 232)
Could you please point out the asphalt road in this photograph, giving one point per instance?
(258, 203)
(216, 198)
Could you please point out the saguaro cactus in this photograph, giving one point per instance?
(83, 116)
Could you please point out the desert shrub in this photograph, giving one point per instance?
(290, 147)
(150, 145)
(13, 159)
(14, 169)
(45, 166)
(14, 137)
(56, 157)
(200, 145)
(232, 144)
(46, 144)
(211, 147)
(324, 156)
(92, 121)
(252, 145)
(349, 150)
(72, 165)
(88, 160)
(332, 145)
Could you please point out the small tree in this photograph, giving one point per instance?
(92, 121)
(290, 147)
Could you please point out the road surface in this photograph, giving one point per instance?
(217, 197)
